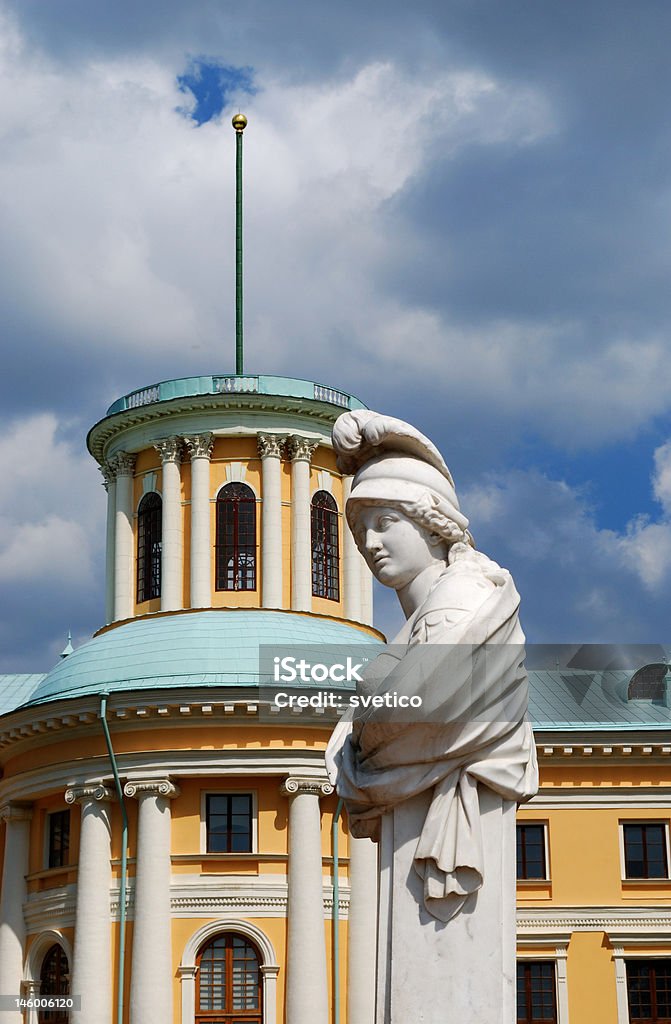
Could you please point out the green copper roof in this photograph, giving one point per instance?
(17, 689)
(186, 387)
(199, 649)
(578, 700)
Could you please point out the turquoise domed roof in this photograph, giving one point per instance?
(208, 648)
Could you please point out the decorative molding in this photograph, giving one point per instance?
(149, 481)
(109, 474)
(629, 749)
(325, 481)
(122, 464)
(235, 472)
(15, 812)
(200, 446)
(170, 449)
(600, 798)
(151, 787)
(554, 921)
(270, 445)
(84, 794)
(293, 785)
(300, 449)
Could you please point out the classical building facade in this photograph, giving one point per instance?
(169, 841)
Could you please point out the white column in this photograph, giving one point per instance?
(123, 465)
(172, 554)
(200, 448)
(110, 486)
(361, 931)
(351, 563)
(300, 451)
(151, 965)
(92, 956)
(14, 892)
(270, 452)
(306, 994)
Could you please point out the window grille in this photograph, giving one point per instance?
(149, 532)
(325, 547)
(236, 538)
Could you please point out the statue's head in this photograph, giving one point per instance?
(396, 467)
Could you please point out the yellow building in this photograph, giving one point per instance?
(169, 834)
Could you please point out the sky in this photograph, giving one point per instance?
(458, 211)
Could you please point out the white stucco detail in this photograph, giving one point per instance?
(12, 921)
(352, 563)
(361, 931)
(123, 537)
(236, 473)
(271, 521)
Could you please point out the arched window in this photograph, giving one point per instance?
(54, 981)
(648, 683)
(236, 538)
(149, 547)
(325, 551)
(229, 982)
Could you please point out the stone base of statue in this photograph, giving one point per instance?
(461, 971)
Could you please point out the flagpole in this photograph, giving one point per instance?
(239, 123)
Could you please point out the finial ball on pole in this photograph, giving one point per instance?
(239, 122)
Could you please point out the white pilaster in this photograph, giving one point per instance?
(306, 994)
(151, 970)
(12, 922)
(270, 452)
(351, 564)
(172, 554)
(361, 931)
(300, 451)
(109, 476)
(200, 449)
(366, 593)
(92, 959)
(123, 465)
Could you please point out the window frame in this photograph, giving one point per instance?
(219, 544)
(50, 815)
(643, 879)
(638, 959)
(524, 961)
(253, 1015)
(150, 592)
(545, 825)
(228, 791)
(329, 560)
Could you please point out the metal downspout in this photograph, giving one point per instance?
(336, 917)
(124, 847)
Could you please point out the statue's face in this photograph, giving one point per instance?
(395, 547)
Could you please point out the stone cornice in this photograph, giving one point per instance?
(15, 812)
(297, 784)
(199, 446)
(151, 787)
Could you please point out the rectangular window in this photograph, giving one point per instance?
(531, 851)
(228, 822)
(645, 850)
(58, 839)
(649, 991)
(536, 999)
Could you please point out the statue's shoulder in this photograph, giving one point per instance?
(459, 592)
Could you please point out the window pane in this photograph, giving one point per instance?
(531, 851)
(645, 850)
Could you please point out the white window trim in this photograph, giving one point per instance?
(644, 821)
(33, 965)
(229, 791)
(528, 949)
(269, 966)
(638, 948)
(45, 842)
(544, 823)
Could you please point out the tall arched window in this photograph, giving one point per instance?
(229, 982)
(54, 981)
(149, 547)
(236, 538)
(325, 550)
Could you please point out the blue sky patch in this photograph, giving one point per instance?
(212, 84)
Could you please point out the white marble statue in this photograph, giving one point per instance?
(436, 787)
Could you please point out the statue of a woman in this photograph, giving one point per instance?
(437, 786)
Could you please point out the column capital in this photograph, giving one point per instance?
(15, 812)
(151, 787)
(199, 446)
(109, 474)
(122, 464)
(300, 449)
(82, 794)
(270, 445)
(294, 784)
(170, 449)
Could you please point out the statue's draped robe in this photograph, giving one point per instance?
(462, 654)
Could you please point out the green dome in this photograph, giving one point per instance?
(208, 648)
